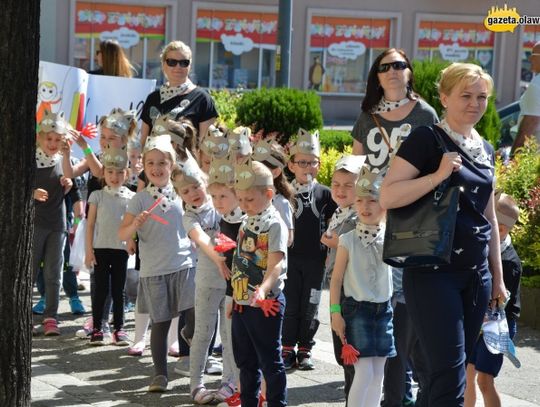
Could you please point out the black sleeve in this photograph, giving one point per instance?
(150, 101)
(421, 150)
(74, 193)
(207, 109)
(330, 207)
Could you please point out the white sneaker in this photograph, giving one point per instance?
(213, 366)
(86, 330)
(182, 366)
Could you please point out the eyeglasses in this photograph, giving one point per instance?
(305, 164)
(184, 63)
(396, 65)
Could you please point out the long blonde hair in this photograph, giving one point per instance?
(114, 61)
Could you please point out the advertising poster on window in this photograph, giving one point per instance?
(456, 42)
(341, 51)
(531, 35)
(235, 48)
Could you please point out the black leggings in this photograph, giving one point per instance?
(111, 268)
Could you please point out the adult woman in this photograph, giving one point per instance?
(112, 61)
(179, 97)
(390, 109)
(447, 303)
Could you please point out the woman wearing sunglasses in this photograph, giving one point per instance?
(390, 111)
(178, 97)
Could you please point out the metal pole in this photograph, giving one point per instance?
(283, 49)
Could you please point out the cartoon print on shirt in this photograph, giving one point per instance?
(475, 190)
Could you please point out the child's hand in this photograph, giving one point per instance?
(258, 295)
(78, 138)
(338, 325)
(131, 246)
(67, 183)
(140, 219)
(41, 195)
(219, 261)
(90, 259)
(330, 241)
(65, 148)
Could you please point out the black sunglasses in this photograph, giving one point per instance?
(397, 65)
(184, 63)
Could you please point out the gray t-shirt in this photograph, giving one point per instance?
(365, 131)
(51, 214)
(109, 216)
(207, 274)
(283, 206)
(163, 249)
(347, 225)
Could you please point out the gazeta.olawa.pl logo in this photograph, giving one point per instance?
(507, 19)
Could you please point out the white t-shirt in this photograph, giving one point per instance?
(530, 102)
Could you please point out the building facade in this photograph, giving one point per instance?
(333, 43)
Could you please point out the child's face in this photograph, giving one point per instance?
(194, 195)
(343, 188)
(50, 142)
(503, 231)
(135, 159)
(304, 165)
(157, 167)
(114, 178)
(109, 138)
(204, 162)
(369, 211)
(254, 200)
(224, 198)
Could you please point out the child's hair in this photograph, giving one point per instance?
(185, 129)
(282, 185)
(114, 61)
(507, 210)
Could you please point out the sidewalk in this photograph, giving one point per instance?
(68, 372)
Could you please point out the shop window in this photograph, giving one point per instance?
(140, 31)
(531, 35)
(235, 49)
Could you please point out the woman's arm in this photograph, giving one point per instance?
(145, 131)
(498, 290)
(204, 241)
(336, 282)
(357, 148)
(90, 259)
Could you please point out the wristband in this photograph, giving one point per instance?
(87, 151)
(76, 221)
(335, 309)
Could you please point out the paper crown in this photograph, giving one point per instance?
(262, 151)
(215, 143)
(239, 141)
(369, 182)
(252, 174)
(115, 157)
(351, 163)
(306, 143)
(190, 173)
(54, 122)
(119, 121)
(175, 129)
(161, 143)
(221, 171)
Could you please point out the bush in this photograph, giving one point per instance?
(426, 75)
(329, 158)
(226, 102)
(521, 180)
(336, 139)
(280, 110)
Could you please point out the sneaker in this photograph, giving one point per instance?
(39, 307)
(158, 385)
(233, 401)
(201, 395)
(213, 366)
(77, 307)
(50, 327)
(225, 391)
(289, 358)
(174, 351)
(106, 328)
(184, 337)
(120, 338)
(262, 401)
(182, 366)
(97, 338)
(137, 349)
(304, 360)
(86, 330)
(218, 350)
(129, 307)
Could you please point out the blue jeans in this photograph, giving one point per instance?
(447, 309)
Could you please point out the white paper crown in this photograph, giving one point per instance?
(351, 163)
(119, 121)
(369, 183)
(161, 143)
(306, 143)
(191, 174)
(54, 122)
(115, 158)
(262, 151)
(239, 141)
(246, 178)
(221, 171)
(215, 143)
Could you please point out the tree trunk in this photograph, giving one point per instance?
(19, 56)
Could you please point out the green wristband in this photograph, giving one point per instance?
(76, 221)
(335, 309)
(87, 151)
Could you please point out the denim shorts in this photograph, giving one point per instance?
(368, 327)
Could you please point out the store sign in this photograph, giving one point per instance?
(531, 35)
(126, 38)
(466, 35)
(237, 44)
(454, 52)
(327, 31)
(347, 50)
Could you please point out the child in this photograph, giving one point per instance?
(166, 284)
(273, 156)
(104, 251)
(343, 220)
(484, 365)
(364, 318)
(50, 184)
(201, 222)
(259, 269)
(314, 209)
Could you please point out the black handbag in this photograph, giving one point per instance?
(422, 233)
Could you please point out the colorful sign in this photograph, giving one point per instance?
(531, 35)
(432, 34)
(372, 33)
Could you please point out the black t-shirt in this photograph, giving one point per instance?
(311, 217)
(197, 105)
(473, 230)
(511, 265)
(231, 231)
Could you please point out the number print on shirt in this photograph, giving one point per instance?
(377, 149)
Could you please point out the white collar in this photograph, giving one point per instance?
(472, 146)
(167, 92)
(45, 161)
(122, 192)
(506, 242)
(339, 216)
(236, 216)
(260, 223)
(199, 209)
(168, 193)
(385, 106)
(368, 233)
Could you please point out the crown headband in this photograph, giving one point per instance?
(262, 151)
(306, 143)
(54, 122)
(245, 176)
(239, 141)
(119, 121)
(215, 143)
(161, 143)
(369, 182)
(190, 174)
(115, 158)
(221, 171)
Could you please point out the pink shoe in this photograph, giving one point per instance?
(50, 327)
(137, 349)
(174, 351)
(233, 401)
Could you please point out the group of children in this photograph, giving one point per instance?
(200, 194)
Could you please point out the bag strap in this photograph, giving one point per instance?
(383, 132)
(443, 186)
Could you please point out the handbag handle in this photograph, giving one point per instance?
(383, 132)
(443, 186)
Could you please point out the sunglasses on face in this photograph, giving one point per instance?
(305, 164)
(396, 65)
(184, 63)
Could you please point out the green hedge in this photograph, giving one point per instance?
(336, 139)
